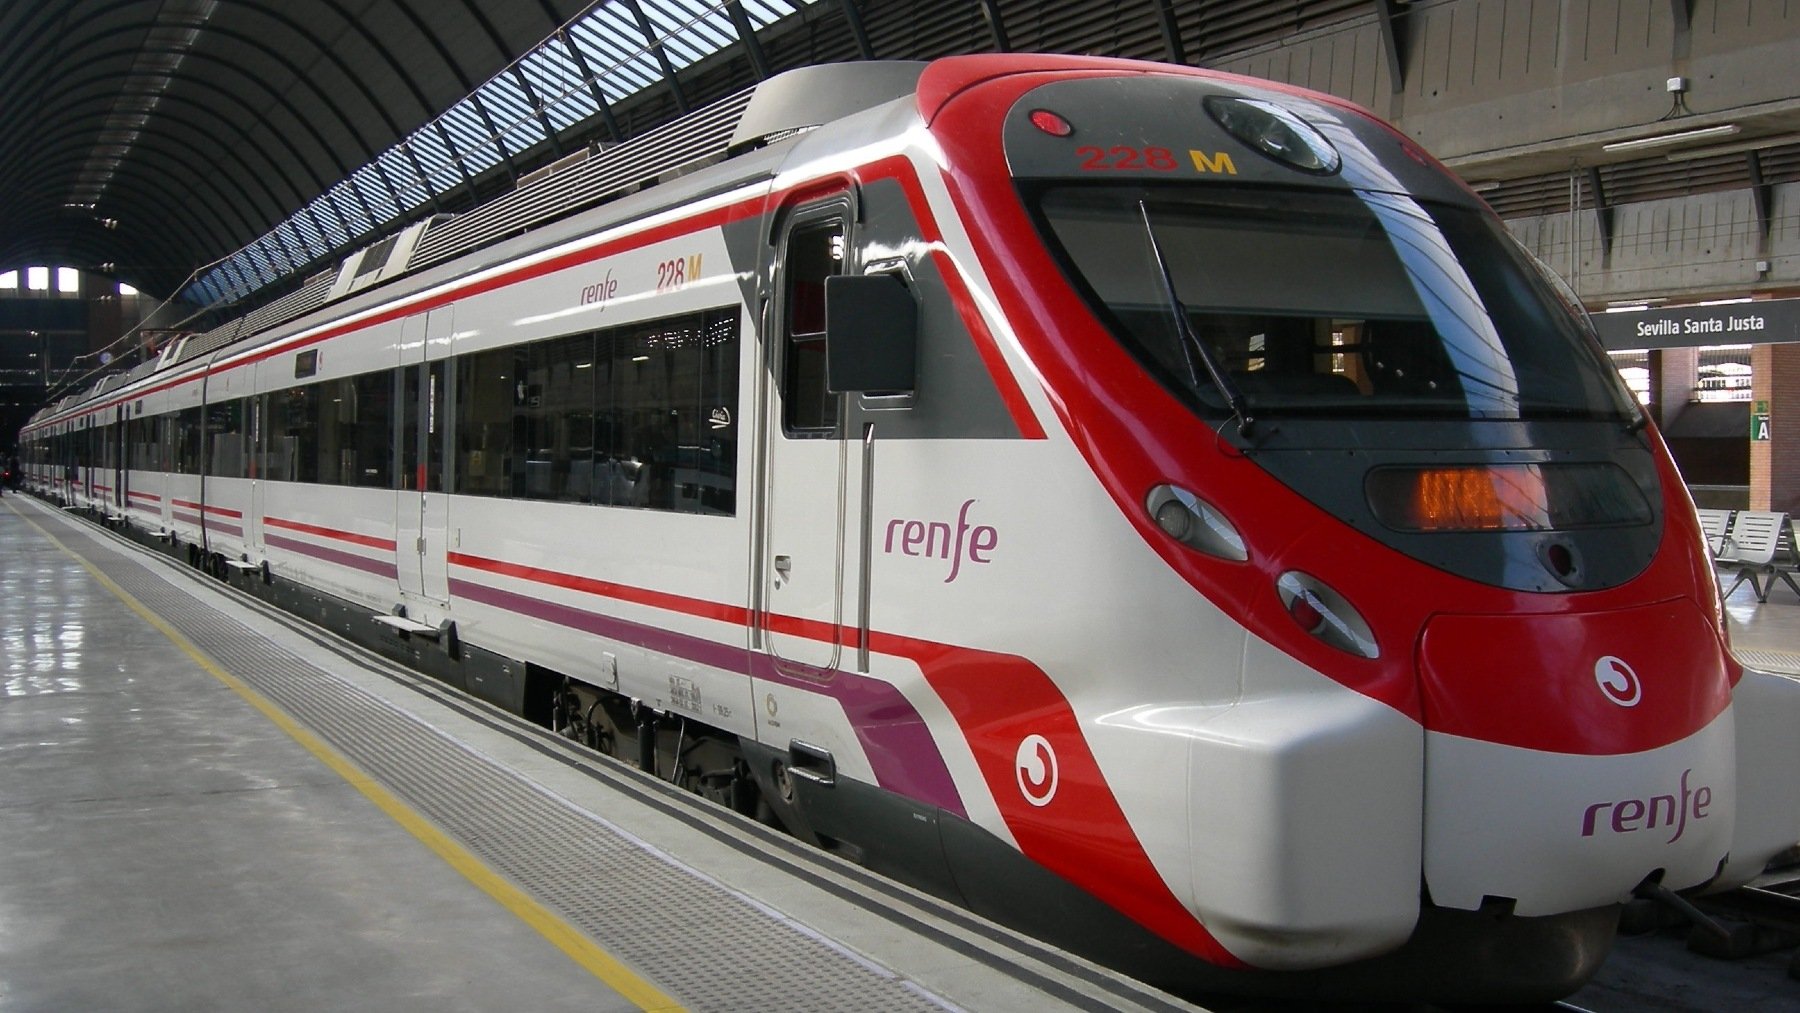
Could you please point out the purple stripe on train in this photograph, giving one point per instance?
(379, 567)
(899, 746)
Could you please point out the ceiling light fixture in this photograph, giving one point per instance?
(1679, 137)
(1735, 147)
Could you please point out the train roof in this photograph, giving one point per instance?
(749, 131)
(656, 170)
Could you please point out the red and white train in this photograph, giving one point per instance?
(1159, 509)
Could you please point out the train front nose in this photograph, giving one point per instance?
(1568, 757)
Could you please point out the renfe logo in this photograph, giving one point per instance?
(600, 291)
(1633, 814)
(934, 538)
(1618, 682)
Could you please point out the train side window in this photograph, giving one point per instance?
(225, 439)
(670, 436)
(367, 444)
(188, 427)
(486, 384)
(291, 453)
(145, 451)
(815, 251)
(553, 419)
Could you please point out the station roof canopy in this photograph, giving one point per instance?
(218, 152)
(211, 147)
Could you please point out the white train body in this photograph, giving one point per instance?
(964, 646)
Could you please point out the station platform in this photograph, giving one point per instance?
(207, 804)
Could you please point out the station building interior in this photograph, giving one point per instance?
(175, 163)
(180, 169)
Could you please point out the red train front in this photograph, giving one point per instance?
(1485, 693)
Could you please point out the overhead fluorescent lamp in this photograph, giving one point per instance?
(1679, 137)
(1485, 185)
(1735, 147)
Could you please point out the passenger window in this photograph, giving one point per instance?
(814, 252)
(225, 439)
(487, 386)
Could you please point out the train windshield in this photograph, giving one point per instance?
(1330, 302)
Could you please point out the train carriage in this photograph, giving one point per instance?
(1159, 509)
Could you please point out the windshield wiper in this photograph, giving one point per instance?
(1190, 342)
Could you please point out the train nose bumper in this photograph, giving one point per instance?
(1568, 757)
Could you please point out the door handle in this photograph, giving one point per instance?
(784, 566)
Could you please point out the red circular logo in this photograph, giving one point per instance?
(1035, 766)
(1618, 682)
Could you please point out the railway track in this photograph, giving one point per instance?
(1761, 918)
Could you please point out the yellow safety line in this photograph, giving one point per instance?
(560, 933)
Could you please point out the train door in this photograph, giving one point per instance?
(93, 444)
(253, 468)
(422, 518)
(804, 567)
(121, 464)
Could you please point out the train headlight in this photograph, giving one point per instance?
(1275, 131)
(1325, 614)
(1195, 523)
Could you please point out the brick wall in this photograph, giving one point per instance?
(1775, 464)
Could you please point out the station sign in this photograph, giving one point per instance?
(1762, 322)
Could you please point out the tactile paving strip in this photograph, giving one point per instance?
(1784, 662)
(704, 945)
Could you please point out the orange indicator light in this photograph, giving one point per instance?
(1477, 499)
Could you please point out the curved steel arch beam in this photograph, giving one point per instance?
(355, 24)
(145, 216)
(32, 156)
(194, 240)
(158, 257)
(36, 52)
(746, 33)
(294, 110)
(662, 55)
(512, 65)
(203, 228)
(137, 205)
(593, 83)
(243, 135)
(468, 88)
(329, 150)
(223, 240)
(67, 151)
(857, 29)
(1163, 11)
(443, 53)
(75, 84)
(325, 98)
(378, 107)
(62, 245)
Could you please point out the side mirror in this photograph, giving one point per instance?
(871, 334)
